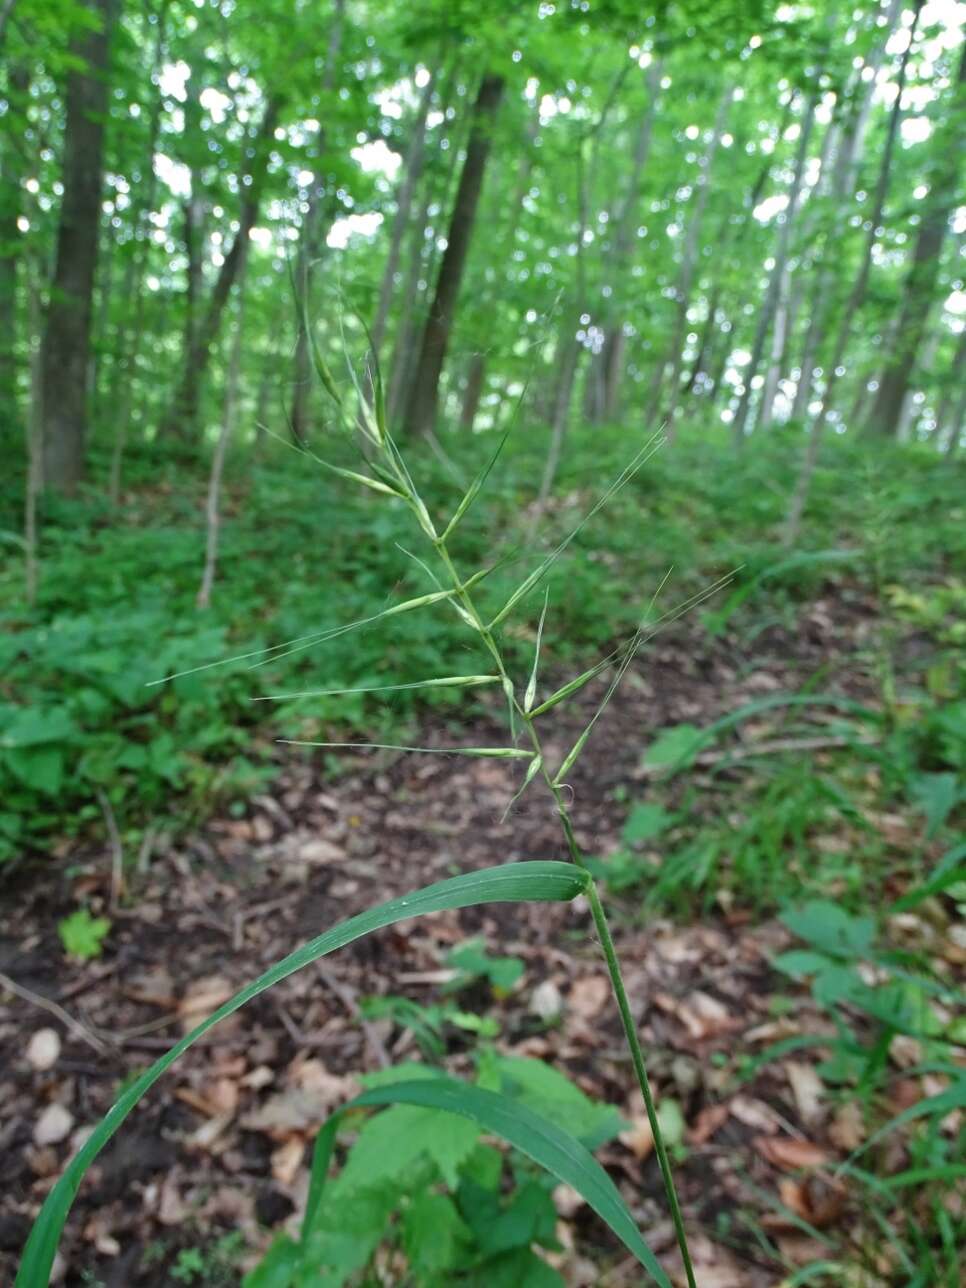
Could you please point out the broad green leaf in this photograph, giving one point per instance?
(675, 747)
(540, 1140)
(390, 1144)
(550, 1093)
(949, 871)
(509, 883)
(831, 929)
(644, 822)
(40, 767)
(433, 1233)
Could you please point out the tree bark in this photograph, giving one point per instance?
(66, 346)
(770, 302)
(213, 507)
(182, 416)
(854, 302)
(11, 173)
(424, 399)
(473, 392)
(132, 290)
(309, 248)
(675, 355)
(415, 158)
(920, 284)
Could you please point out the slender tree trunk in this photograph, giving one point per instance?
(311, 234)
(769, 390)
(675, 356)
(66, 345)
(473, 392)
(952, 405)
(770, 302)
(569, 351)
(423, 402)
(920, 287)
(11, 173)
(608, 365)
(33, 431)
(183, 414)
(852, 305)
(213, 507)
(132, 290)
(415, 159)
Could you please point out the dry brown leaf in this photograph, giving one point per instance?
(787, 1152)
(203, 996)
(319, 852)
(259, 1077)
(754, 1113)
(847, 1128)
(297, 1109)
(708, 1122)
(588, 996)
(287, 1159)
(807, 1088)
(702, 1015)
(209, 1131)
(638, 1138)
(171, 1209)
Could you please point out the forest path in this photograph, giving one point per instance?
(220, 1145)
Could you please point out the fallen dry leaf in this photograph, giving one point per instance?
(787, 1152)
(203, 996)
(708, 1122)
(754, 1113)
(588, 996)
(287, 1159)
(847, 1128)
(638, 1138)
(701, 1014)
(807, 1088)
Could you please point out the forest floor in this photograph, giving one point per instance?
(222, 1144)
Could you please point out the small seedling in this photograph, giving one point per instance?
(83, 935)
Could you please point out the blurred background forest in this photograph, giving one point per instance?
(738, 226)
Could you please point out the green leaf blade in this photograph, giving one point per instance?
(547, 1145)
(542, 882)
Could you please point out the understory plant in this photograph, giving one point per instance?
(550, 1145)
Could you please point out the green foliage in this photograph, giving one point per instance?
(419, 1178)
(83, 935)
(904, 999)
(472, 962)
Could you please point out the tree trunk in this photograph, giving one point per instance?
(689, 256)
(213, 510)
(183, 414)
(473, 392)
(66, 345)
(309, 249)
(608, 364)
(770, 302)
(920, 285)
(415, 158)
(132, 290)
(11, 173)
(424, 398)
(856, 297)
(952, 405)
